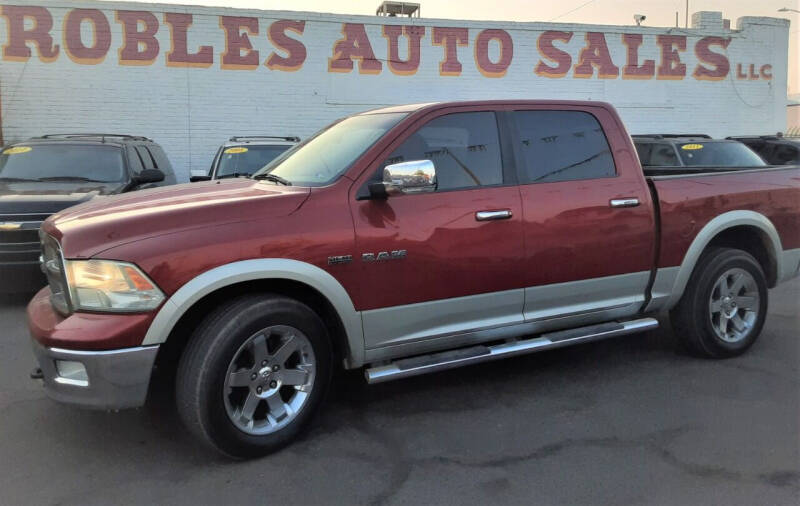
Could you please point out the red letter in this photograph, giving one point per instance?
(295, 50)
(133, 39)
(766, 71)
(101, 32)
(39, 34)
(485, 65)
(705, 55)
(739, 73)
(671, 66)
(413, 34)
(632, 69)
(236, 42)
(178, 55)
(353, 44)
(552, 53)
(595, 54)
(450, 38)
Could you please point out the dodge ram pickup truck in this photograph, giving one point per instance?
(403, 240)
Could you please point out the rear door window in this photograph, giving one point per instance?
(785, 154)
(562, 146)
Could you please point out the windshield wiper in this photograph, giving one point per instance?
(273, 178)
(18, 179)
(70, 178)
(235, 174)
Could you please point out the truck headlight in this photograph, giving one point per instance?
(107, 285)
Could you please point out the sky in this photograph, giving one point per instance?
(611, 12)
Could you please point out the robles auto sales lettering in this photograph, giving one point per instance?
(396, 49)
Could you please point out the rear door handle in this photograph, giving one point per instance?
(631, 202)
(503, 214)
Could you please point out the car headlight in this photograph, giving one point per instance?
(107, 285)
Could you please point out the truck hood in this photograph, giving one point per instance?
(90, 228)
(49, 197)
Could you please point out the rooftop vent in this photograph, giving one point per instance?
(394, 9)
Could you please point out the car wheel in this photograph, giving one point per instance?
(724, 306)
(254, 374)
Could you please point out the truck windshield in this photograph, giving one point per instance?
(41, 162)
(322, 158)
(245, 160)
(718, 154)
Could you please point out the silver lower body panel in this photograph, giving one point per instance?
(114, 379)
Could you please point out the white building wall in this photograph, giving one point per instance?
(190, 111)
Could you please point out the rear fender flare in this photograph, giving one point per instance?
(261, 269)
(712, 229)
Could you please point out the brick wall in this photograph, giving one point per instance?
(83, 85)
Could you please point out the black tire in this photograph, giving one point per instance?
(692, 318)
(204, 367)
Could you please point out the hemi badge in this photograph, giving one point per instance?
(10, 226)
(341, 259)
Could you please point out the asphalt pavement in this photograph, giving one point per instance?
(623, 421)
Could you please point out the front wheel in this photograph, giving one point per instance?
(254, 374)
(724, 306)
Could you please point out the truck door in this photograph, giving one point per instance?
(441, 263)
(587, 213)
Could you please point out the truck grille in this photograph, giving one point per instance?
(19, 237)
(53, 267)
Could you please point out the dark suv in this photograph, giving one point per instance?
(44, 175)
(664, 154)
(775, 149)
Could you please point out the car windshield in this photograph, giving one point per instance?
(718, 154)
(321, 159)
(245, 160)
(62, 161)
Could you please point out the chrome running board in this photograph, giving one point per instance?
(451, 359)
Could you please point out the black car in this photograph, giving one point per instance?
(44, 175)
(775, 149)
(663, 154)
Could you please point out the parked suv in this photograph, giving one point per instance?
(404, 240)
(46, 174)
(776, 150)
(663, 153)
(242, 156)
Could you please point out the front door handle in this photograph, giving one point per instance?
(630, 202)
(503, 214)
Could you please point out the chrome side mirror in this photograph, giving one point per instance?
(418, 176)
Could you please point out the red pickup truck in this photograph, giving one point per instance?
(403, 240)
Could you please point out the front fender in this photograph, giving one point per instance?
(260, 269)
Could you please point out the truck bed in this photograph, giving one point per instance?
(687, 202)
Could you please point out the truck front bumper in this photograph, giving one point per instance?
(109, 378)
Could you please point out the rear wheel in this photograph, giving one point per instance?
(724, 306)
(254, 374)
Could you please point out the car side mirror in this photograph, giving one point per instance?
(149, 176)
(418, 176)
(199, 175)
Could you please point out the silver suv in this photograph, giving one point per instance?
(241, 156)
